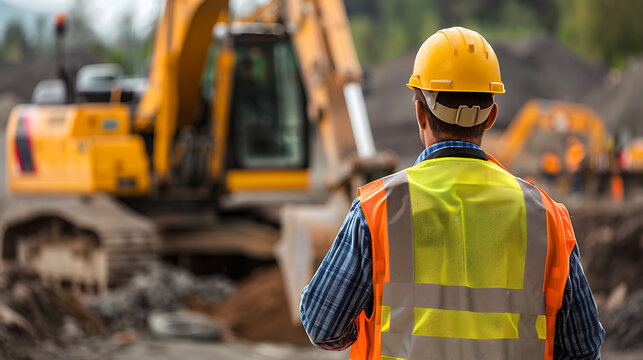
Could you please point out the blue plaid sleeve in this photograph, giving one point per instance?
(341, 287)
(579, 333)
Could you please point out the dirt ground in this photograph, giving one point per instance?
(177, 349)
(173, 349)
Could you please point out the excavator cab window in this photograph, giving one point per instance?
(268, 119)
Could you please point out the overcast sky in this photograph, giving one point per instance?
(104, 14)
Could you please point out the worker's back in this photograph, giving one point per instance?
(468, 224)
(460, 248)
(453, 258)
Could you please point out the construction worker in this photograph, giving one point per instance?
(454, 257)
(550, 167)
(574, 161)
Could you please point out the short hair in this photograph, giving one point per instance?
(445, 131)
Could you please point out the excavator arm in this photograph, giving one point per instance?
(180, 51)
(332, 76)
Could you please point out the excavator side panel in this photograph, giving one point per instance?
(83, 148)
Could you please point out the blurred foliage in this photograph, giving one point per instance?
(130, 49)
(603, 30)
(15, 47)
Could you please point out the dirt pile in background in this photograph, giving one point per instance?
(619, 100)
(610, 239)
(258, 310)
(161, 288)
(32, 311)
(543, 68)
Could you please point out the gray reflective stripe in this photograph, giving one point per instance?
(400, 227)
(536, 237)
(402, 320)
(429, 348)
(433, 296)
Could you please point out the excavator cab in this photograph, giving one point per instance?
(268, 118)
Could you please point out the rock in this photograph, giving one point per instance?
(616, 297)
(11, 319)
(71, 329)
(124, 337)
(186, 324)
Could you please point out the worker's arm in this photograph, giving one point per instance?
(341, 287)
(579, 333)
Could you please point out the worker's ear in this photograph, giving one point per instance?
(421, 115)
(492, 117)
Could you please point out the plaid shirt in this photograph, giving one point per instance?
(342, 288)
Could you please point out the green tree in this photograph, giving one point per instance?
(605, 30)
(15, 48)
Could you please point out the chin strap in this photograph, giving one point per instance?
(464, 115)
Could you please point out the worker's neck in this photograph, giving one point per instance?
(432, 141)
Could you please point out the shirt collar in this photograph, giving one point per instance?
(442, 145)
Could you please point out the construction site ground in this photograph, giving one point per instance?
(41, 322)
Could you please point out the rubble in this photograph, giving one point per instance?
(33, 311)
(624, 325)
(185, 324)
(161, 288)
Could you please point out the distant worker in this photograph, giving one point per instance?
(575, 161)
(550, 167)
(454, 257)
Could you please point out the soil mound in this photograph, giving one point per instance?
(258, 311)
(619, 100)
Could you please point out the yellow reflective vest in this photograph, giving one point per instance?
(469, 262)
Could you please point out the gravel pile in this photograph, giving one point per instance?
(161, 288)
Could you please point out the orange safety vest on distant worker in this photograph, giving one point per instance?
(550, 163)
(574, 156)
(469, 262)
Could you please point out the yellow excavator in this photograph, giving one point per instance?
(247, 133)
(554, 117)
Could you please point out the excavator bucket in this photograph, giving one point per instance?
(307, 233)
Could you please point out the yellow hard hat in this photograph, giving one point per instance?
(456, 59)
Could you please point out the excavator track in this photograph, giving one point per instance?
(86, 243)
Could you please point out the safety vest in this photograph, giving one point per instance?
(469, 262)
